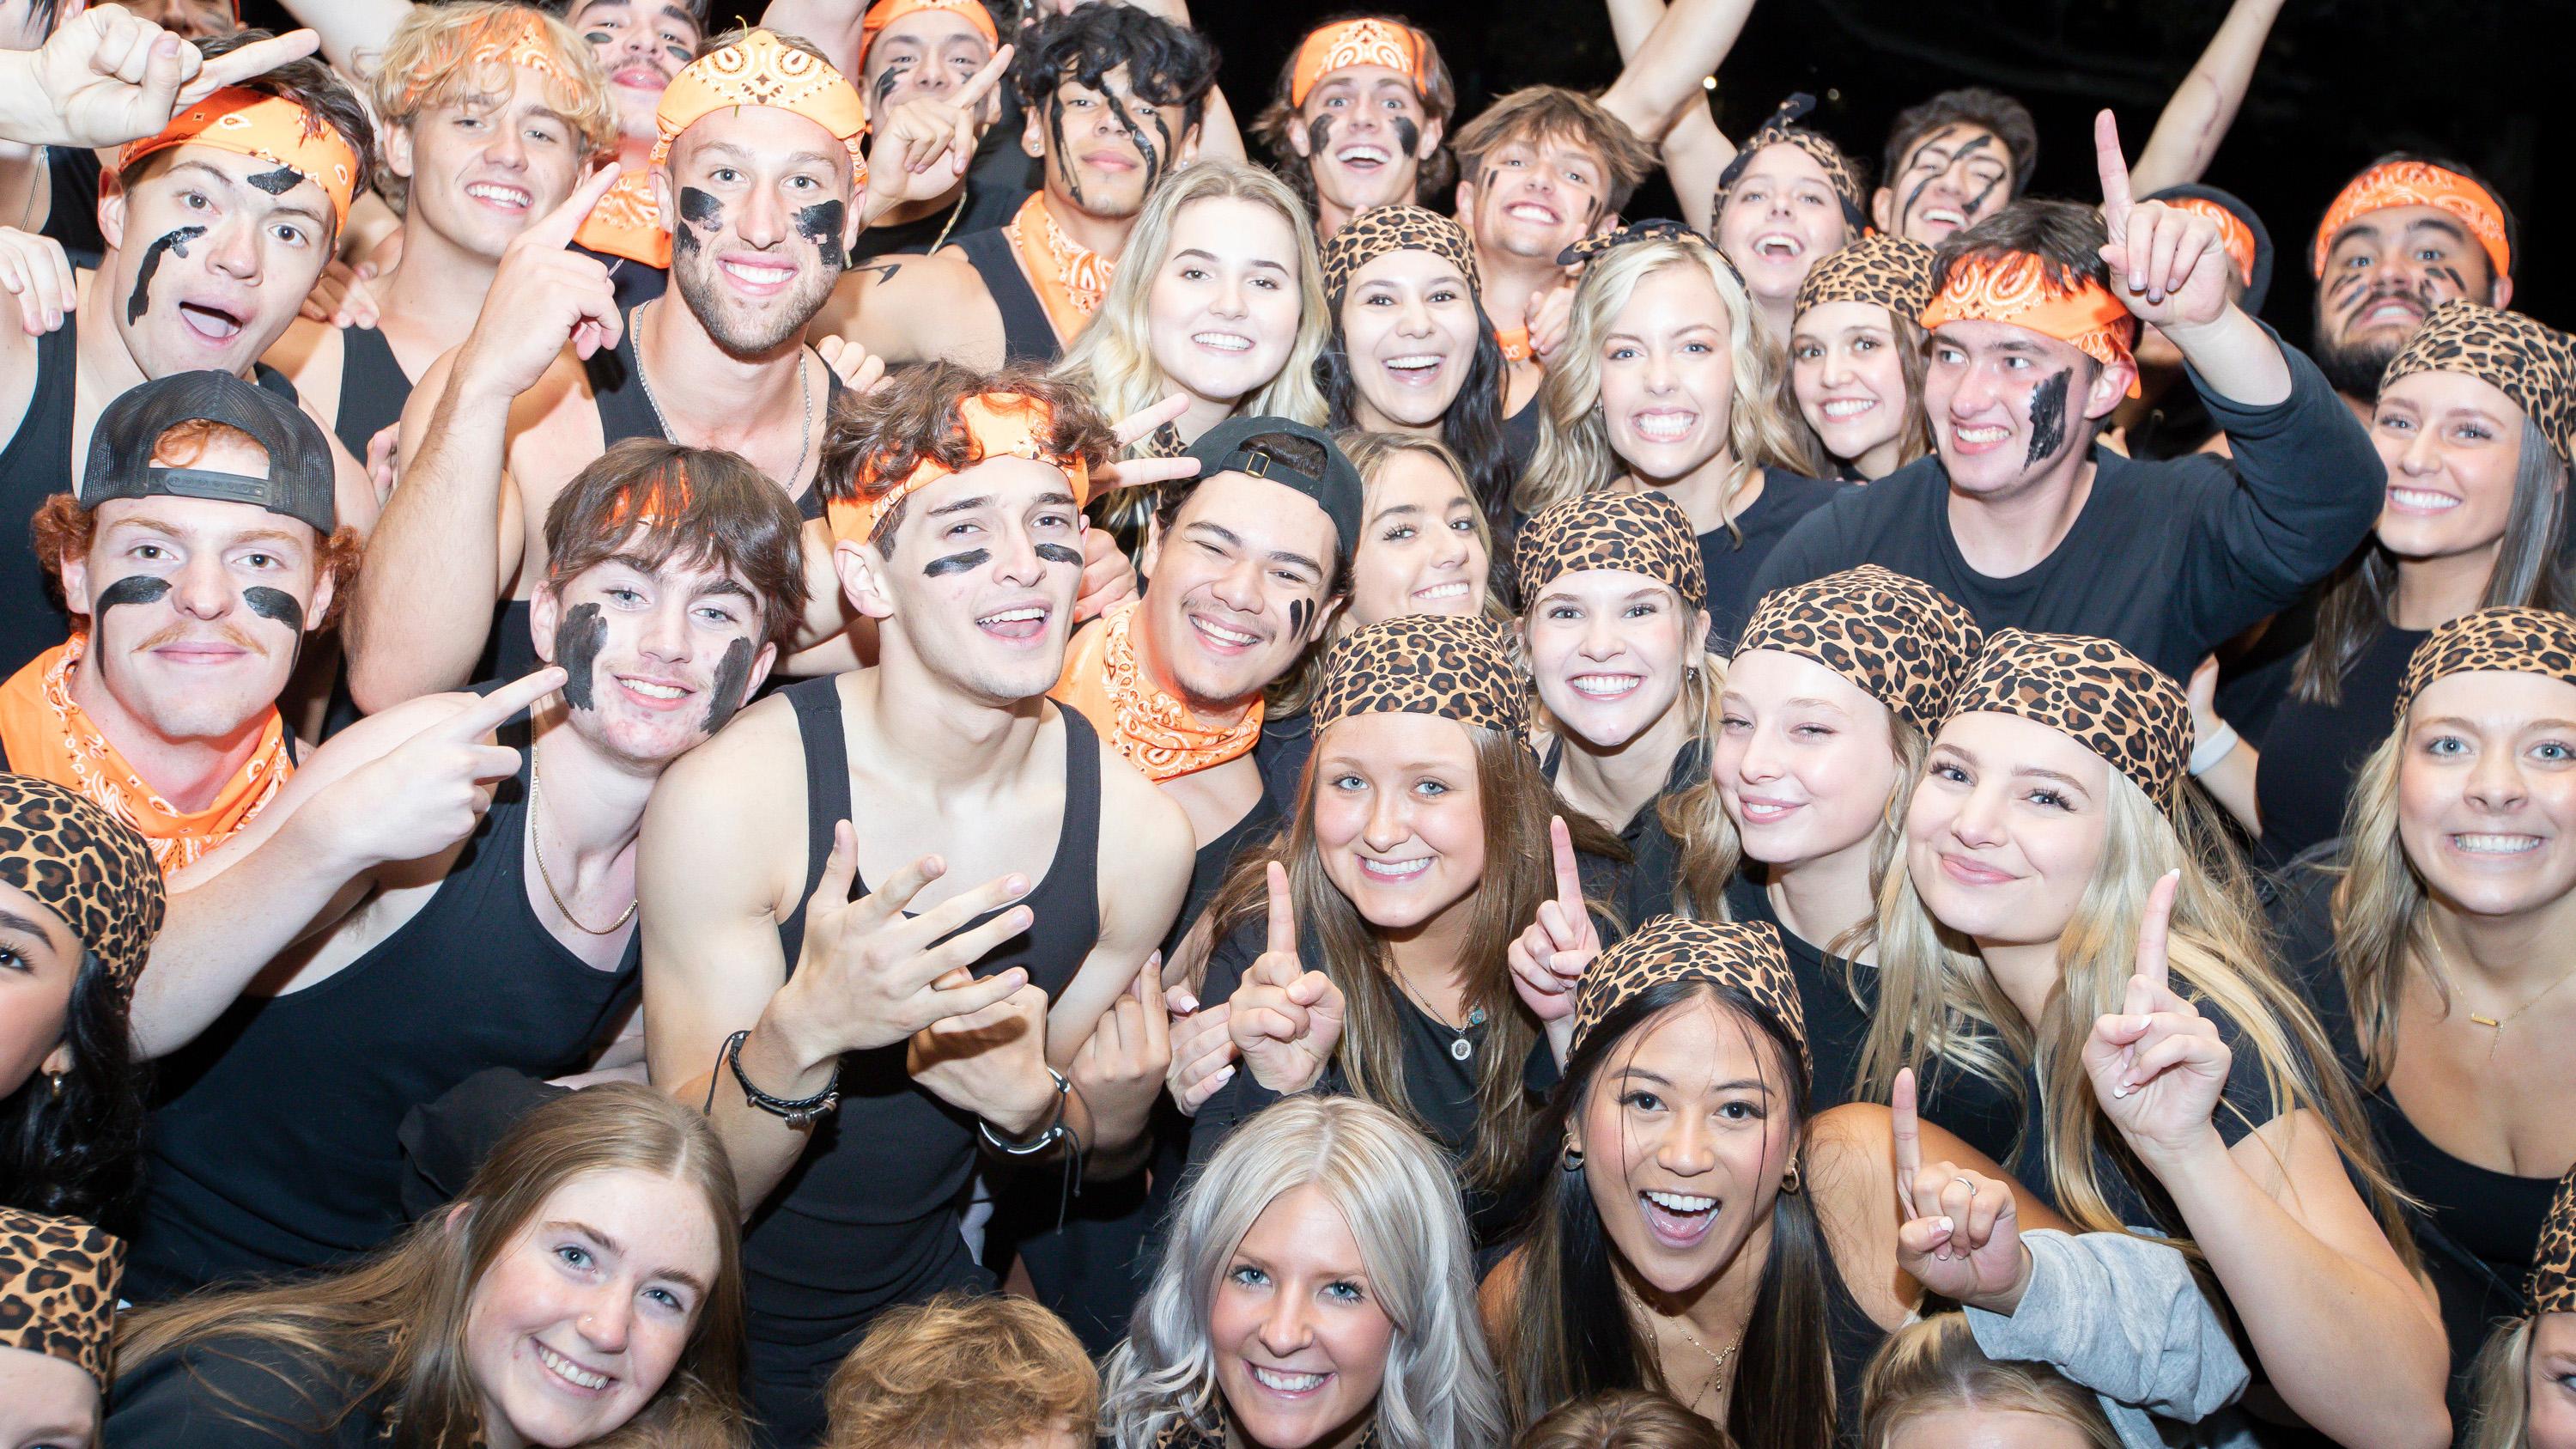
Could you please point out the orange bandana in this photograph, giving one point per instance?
(627, 224)
(761, 70)
(2017, 288)
(999, 425)
(2233, 233)
(2417, 183)
(1515, 344)
(269, 128)
(47, 735)
(1069, 278)
(887, 12)
(1365, 41)
(1142, 721)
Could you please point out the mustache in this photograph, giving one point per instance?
(219, 632)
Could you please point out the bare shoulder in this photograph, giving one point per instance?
(909, 308)
(1498, 1297)
(1143, 816)
(742, 791)
(309, 353)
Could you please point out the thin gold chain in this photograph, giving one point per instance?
(537, 842)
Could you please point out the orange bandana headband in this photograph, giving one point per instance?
(1365, 41)
(762, 70)
(2417, 183)
(998, 425)
(887, 12)
(269, 128)
(2018, 288)
(2233, 233)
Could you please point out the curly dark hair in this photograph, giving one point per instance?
(308, 83)
(1439, 103)
(2067, 235)
(1166, 65)
(876, 439)
(2009, 119)
(77, 1152)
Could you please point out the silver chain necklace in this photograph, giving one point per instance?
(805, 439)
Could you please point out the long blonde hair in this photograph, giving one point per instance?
(2500, 1388)
(1574, 455)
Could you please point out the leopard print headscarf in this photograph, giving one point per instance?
(1461, 669)
(1782, 129)
(1902, 641)
(2095, 692)
(2505, 641)
(2533, 364)
(2552, 1288)
(1744, 955)
(1645, 533)
(86, 866)
(58, 1280)
(1893, 271)
(1382, 229)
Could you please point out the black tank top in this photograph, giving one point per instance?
(373, 388)
(869, 1217)
(1027, 335)
(272, 1144)
(71, 213)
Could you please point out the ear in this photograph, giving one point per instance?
(398, 151)
(1033, 134)
(2502, 293)
(1190, 144)
(1882, 208)
(111, 207)
(1150, 551)
(545, 615)
(761, 664)
(1702, 636)
(1432, 131)
(1298, 140)
(2110, 388)
(862, 573)
(324, 588)
(458, 1215)
(665, 194)
(74, 568)
(1324, 618)
(1466, 206)
(58, 1062)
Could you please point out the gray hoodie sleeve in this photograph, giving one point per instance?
(2123, 1317)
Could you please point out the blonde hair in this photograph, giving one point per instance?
(1395, 1193)
(428, 63)
(1574, 455)
(2500, 1389)
(2381, 926)
(959, 1372)
(1934, 1364)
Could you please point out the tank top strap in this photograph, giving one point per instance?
(817, 703)
(1027, 335)
(373, 388)
(1077, 850)
(617, 390)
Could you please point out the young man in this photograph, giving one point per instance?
(1952, 162)
(2018, 516)
(1358, 118)
(216, 228)
(784, 864)
(2403, 237)
(201, 551)
(422, 904)
(1114, 97)
(489, 116)
(1541, 169)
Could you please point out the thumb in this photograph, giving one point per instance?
(841, 867)
(161, 77)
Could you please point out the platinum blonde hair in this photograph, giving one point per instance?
(1400, 1199)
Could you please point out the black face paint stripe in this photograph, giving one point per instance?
(278, 182)
(698, 211)
(886, 80)
(2048, 416)
(1319, 139)
(176, 241)
(821, 224)
(732, 673)
(1063, 157)
(1979, 200)
(579, 636)
(275, 604)
(132, 589)
(1058, 553)
(2459, 284)
(1300, 613)
(956, 563)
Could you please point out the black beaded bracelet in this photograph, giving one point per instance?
(797, 1113)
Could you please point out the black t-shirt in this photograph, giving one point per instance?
(1733, 564)
(2171, 559)
(1646, 883)
(239, 1392)
(2303, 783)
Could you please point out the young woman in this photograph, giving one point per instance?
(2436, 957)
(2525, 1397)
(1363, 951)
(1788, 200)
(1856, 356)
(588, 1281)
(1931, 1387)
(58, 1280)
(1412, 350)
(1425, 547)
(1664, 383)
(2476, 425)
(80, 901)
(2058, 876)
(1316, 1290)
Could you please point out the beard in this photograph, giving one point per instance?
(2353, 368)
(755, 334)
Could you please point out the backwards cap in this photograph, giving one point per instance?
(302, 479)
(1228, 448)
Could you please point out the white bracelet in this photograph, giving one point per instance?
(2205, 754)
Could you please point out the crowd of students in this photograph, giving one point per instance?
(1252, 785)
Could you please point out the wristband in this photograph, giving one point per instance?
(1056, 1131)
(798, 1112)
(2205, 754)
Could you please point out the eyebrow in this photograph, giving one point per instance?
(677, 1275)
(12, 921)
(1213, 257)
(1393, 509)
(225, 179)
(2442, 224)
(2460, 722)
(797, 158)
(1276, 555)
(963, 505)
(1740, 1084)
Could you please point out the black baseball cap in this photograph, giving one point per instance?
(302, 478)
(1232, 446)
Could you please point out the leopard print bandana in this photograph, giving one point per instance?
(1382, 229)
(58, 1280)
(1745, 956)
(1644, 533)
(1782, 129)
(1893, 271)
(1461, 669)
(2096, 693)
(86, 866)
(2552, 1288)
(2533, 364)
(2502, 641)
(1903, 642)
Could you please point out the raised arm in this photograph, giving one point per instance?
(353, 31)
(2195, 121)
(1686, 47)
(106, 77)
(1109, 1029)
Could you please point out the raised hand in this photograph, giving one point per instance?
(544, 296)
(919, 149)
(2168, 266)
(1203, 1054)
(990, 1061)
(859, 369)
(2158, 1066)
(34, 270)
(1127, 472)
(1549, 957)
(1960, 1234)
(1285, 1019)
(107, 77)
(1121, 1069)
(429, 792)
(1550, 314)
(1108, 576)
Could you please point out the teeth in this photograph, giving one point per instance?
(2496, 844)
(1849, 407)
(1287, 1383)
(1222, 341)
(1417, 363)
(1223, 635)
(1778, 246)
(1943, 213)
(2422, 502)
(1980, 435)
(653, 691)
(1528, 212)
(1680, 1202)
(1012, 616)
(1365, 154)
(1664, 427)
(1600, 685)
(759, 276)
(505, 195)
(1440, 592)
(570, 1370)
(1766, 809)
(1396, 869)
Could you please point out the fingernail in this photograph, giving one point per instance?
(1947, 1225)
(1223, 1076)
(2119, 1093)
(1189, 1002)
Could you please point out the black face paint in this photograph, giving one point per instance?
(132, 589)
(1058, 553)
(1300, 613)
(278, 182)
(176, 241)
(1063, 152)
(1966, 150)
(956, 563)
(1144, 148)
(1408, 136)
(732, 673)
(1979, 199)
(1319, 139)
(821, 224)
(2459, 284)
(2048, 416)
(698, 211)
(579, 637)
(275, 604)
(883, 88)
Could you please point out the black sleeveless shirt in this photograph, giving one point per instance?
(373, 388)
(870, 1216)
(1027, 335)
(272, 1143)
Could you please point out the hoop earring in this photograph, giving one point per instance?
(1792, 1183)
(56, 1078)
(1572, 1158)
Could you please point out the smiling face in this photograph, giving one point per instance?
(482, 168)
(1686, 1135)
(660, 657)
(575, 1326)
(1365, 133)
(2453, 447)
(2385, 273)
(1805, 760)
(40, 960)
(1221, 316)
(760, 204)
(1238, 589)
(45, 1402)
(1294, 1325)
(1951, 180)
(1668, 374)
(642, 44)
(1850, 378)
(1607, 650)
(1419, 551)
(978, 577)
(1778, 218)
(2486, 791)
(210, 266)
(926, 54)
(1535, 197)
(2009, 406)
(2553, 1382)
(2006, 828)
(1105, 147)
(1409, 328)
(1399, 817)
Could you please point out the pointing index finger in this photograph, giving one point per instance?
(557, 227)
(1283, 918)
(2153, 927)
(1569, 878)
(977, 86)
(495, 709)
(257, 58)
(2115, 174)
(1908, 1131)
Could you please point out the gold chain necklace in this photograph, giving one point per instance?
(537, 844)
(1717, 1361)
(2496, 1024)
